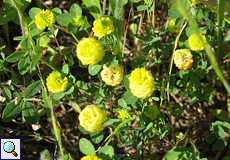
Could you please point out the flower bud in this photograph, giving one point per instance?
(124, 114)
(91, 157)
(183, 59)
(79, 20)
(171, 26)
(195, 43)
(90, 51)
(141, 83)
(91, 118)
(56, 83)
(113, 75)
(153, 112)
(103, 26)
(44, 19)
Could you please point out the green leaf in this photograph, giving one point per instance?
(179, 153)
(6, 93)
(94, 8)
(129, 97)
(109, 60)
(82, 129)
(220, 131)
(94, 69)
(24, 65)
(25, 44)
(96, 137)
(106, 152)
(58, 96)
(64, 19)
(29, 113)
(149, 126)
(181, 83)
(209, 137)
(110, 122)
(65, 70)
(126, 81)
(32, 89)
(69, 89)
(142, 7)
(75, 10)
(11, 111)
(14, 57)
(71, 79)
(179, 135)
(33, 11)
(219, 144)
(7, 14)
(174, 14)
(122, 103)
(86, 146)
(222, 115)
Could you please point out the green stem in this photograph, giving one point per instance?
(117, 129)
(48, 64)
(169, 77)
(221, 6)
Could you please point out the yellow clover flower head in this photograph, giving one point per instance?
(44, 19)
(91, 118)
(171, 26)
(183, 59)
(90, 51)
(113, 75)
(195, 43)
(153, 112)
(103, 26)
(56, 83)
(124, 114)
(141, 83)
(91, 157)
(79, 20)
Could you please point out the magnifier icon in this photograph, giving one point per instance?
(9, 147)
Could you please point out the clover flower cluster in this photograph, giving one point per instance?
(90, 52)
(44, 19)
(183, 58)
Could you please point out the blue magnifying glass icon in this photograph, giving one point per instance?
(9, 147)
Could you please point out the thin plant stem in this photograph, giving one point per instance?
(48, 64)
(117, 129)
(169, 76)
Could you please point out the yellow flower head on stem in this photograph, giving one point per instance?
(171, 26)
(56, 83)
(91, 157)
(91, 118)
(44, 19)
(103, 26)
(183, 59)
(79, 20)
(153, 112)
(90, 51)
(141, 83)
(195, 43)
(113, 75)
(124, 114)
